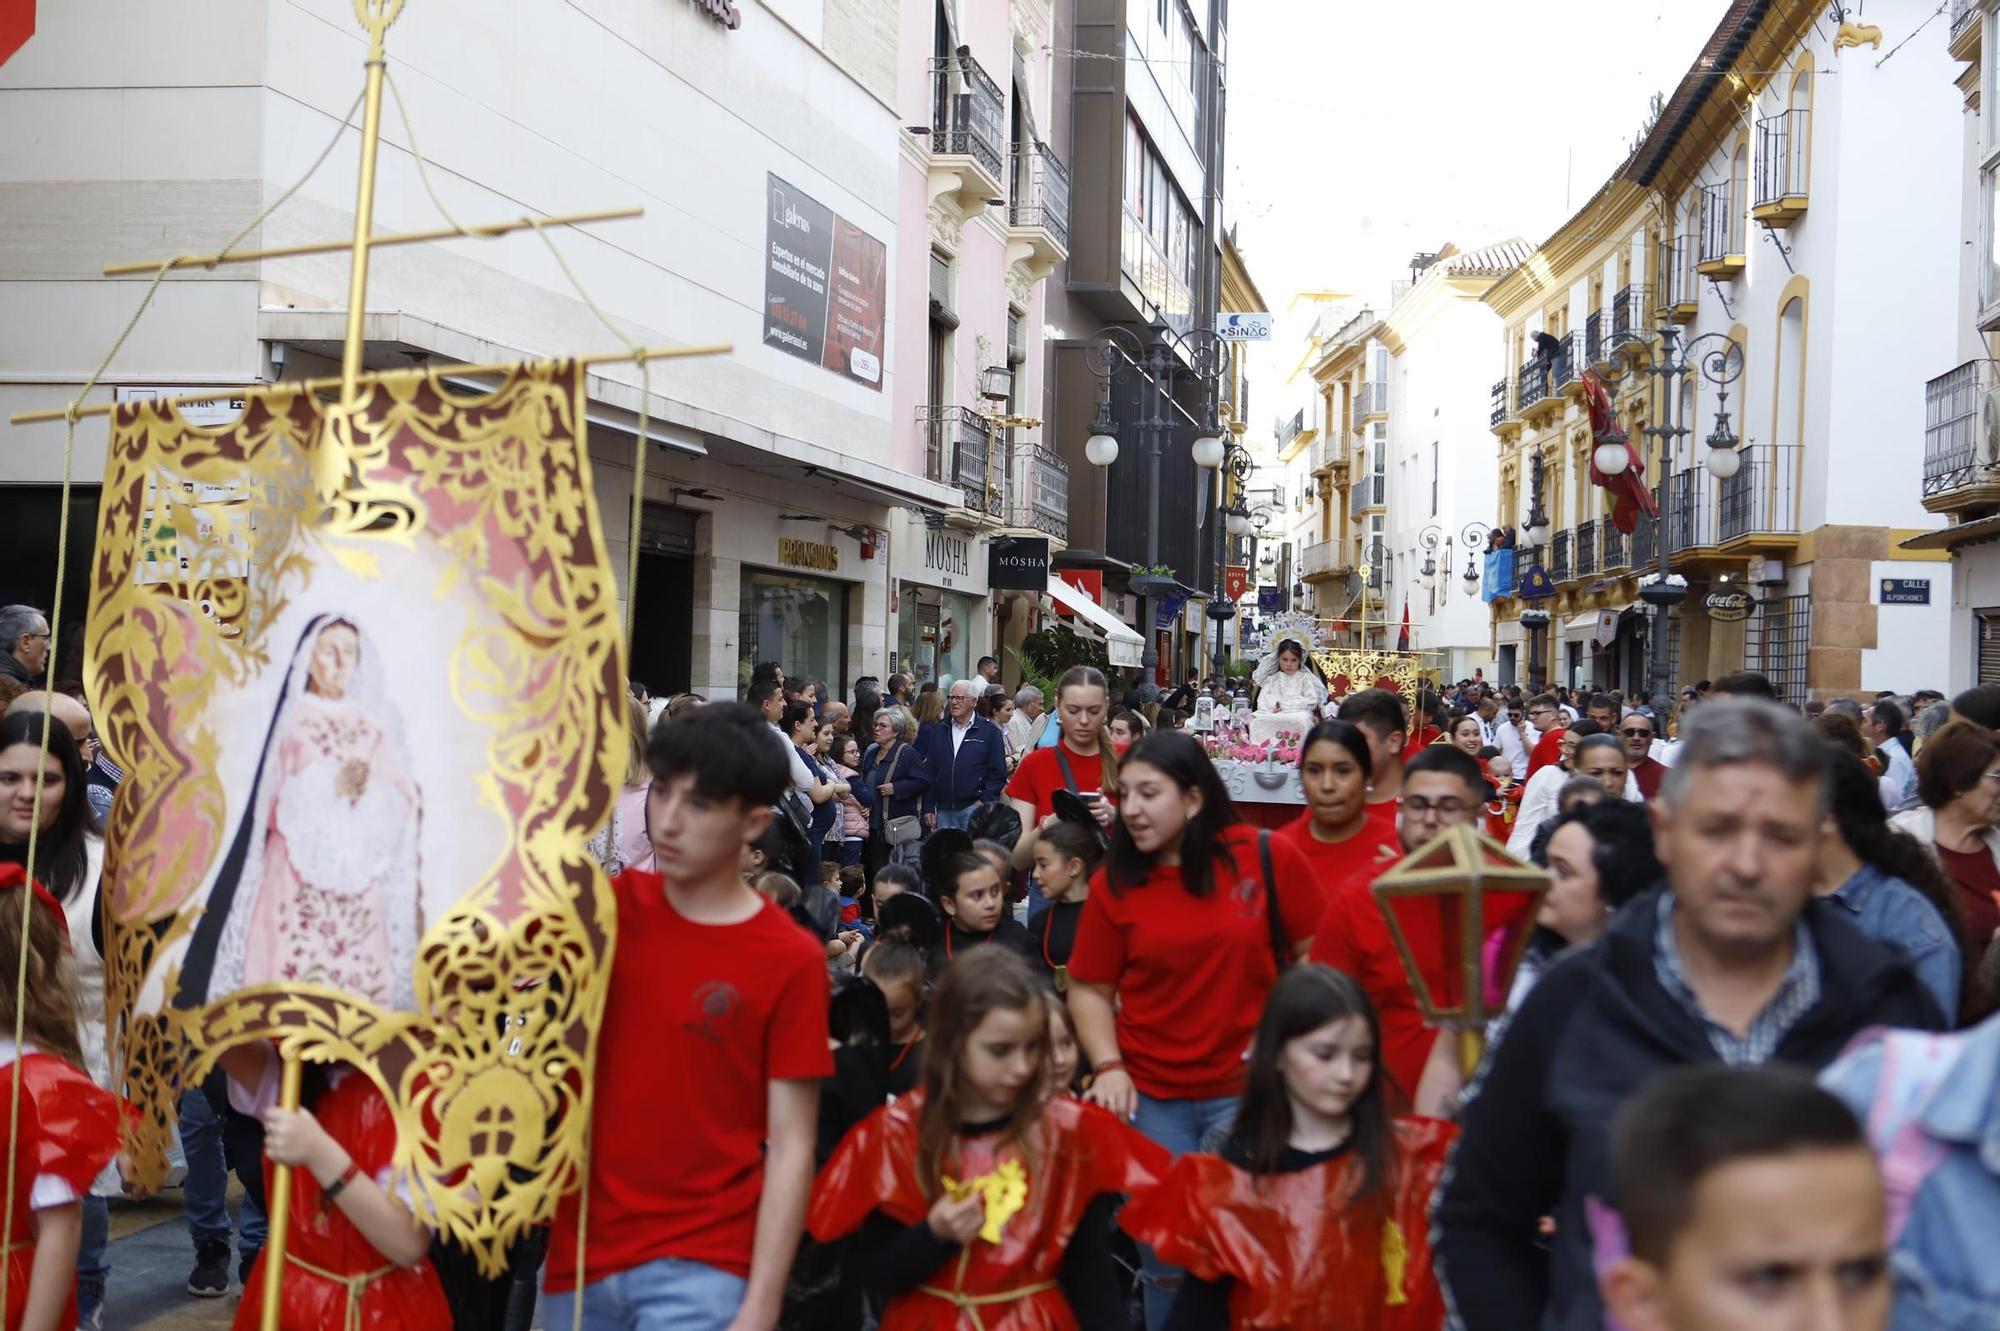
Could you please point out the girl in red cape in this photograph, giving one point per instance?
(985, 1205)
(1315, 1214)
(69, 1128)
(356, 1257)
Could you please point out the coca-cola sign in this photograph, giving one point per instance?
(1728, 605)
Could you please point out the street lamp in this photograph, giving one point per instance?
(1160, 362)
(1474, 538)
(1536, 528)
(1718, 358)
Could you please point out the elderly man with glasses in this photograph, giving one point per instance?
(967, 757)
(24, 643)
(1636, 729)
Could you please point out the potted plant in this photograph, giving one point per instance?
(1152, 580)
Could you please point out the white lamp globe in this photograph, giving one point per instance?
(1724, 463)
(1208, 452)
(1101, 450)
(1612, 459)
(1239, 524)
(1537, 534)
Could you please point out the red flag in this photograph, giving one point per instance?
(1629, 494)
(17, 24)
(1403, 638)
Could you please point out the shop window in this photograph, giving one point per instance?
(799, 622)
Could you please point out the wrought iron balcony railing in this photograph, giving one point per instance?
(1583, 549)
(1955, 454)
(1503, 407)
(1721, 225)
(958, 451)
(1532, 380)
(1689, 523)
(1369, 492)
(1613, 552)
(1371, 399)
(968, 111)
(1039, 196)
(1559, 557)
(1762, 496)
(1781, 158)
(1593, 338)
(1038, 491)
(1629, 314)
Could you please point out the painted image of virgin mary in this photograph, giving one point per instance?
(319, 883)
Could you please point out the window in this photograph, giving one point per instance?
(1988, 663)
(1434, 478)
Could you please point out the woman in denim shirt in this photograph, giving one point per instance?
(1887, 884)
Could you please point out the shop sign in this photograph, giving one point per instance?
(722, 11)
(1018, 563)
(1089, 581)
(1906, 591)
(808, 554)
(826, 283)
(1251, 326)
(1235, 581)
(1536, 584)
(1270, 599)
(1728, 606)
(947, 556)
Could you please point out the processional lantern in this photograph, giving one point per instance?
(1460, 909)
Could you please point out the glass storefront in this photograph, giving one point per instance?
(935, 636)
(799, 622)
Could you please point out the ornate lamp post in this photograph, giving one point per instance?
(1160, 363)
(1474, 538)
(1719, 359)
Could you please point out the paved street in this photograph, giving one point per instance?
(150, 1261)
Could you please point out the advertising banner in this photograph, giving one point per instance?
(825, 286)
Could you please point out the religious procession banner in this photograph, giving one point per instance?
(360, 665)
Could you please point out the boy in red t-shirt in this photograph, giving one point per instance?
(709, 1060)
(1441, 786)
(1382, 718)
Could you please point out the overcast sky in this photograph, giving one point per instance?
(1361, 134)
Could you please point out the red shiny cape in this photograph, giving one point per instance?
(1298, 1254)
(400, 1298)
(1076, 1153)
(70, 1129)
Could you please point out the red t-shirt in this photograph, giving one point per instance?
(1352, 936)
(1547, 751)
(1191, 973)
(1383, 818)
(698, 1020)
(1039, 777)
(1364, 855)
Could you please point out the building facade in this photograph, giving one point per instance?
(1759, 201)
(1961, 473)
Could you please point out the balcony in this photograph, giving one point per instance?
(1594, 350)
(1645, 544)
(1688, 525)
(1322, 562)
(1037, 208)
(968, 133)
(1721, 253)
(1571, 361)
(1369, 492)
(1961, 465)
(1147, 267)
(1504, 416)
(1038, 492)
(1965, 29)
(1630, 321)
(1559, 570)
(1532, 385)
(1760, 500)
(1583, 549)
(1782, 143)
(1680, 284)
(1289, 430)
(1371, 402)
(1612, 554)
(957, 451)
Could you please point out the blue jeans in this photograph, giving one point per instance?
(663, 1295)
(207, 1182)
(1182, 1126)
(957, 818)
(93, 1255)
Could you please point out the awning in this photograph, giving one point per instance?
(1950, 538)
(1586, 620)
(1122, 643)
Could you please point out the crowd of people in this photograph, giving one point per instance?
(974, 1008)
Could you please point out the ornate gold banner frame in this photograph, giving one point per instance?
(214, 545)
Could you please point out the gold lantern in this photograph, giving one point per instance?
(1460, 909)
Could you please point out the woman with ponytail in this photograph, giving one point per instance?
(1886, 883)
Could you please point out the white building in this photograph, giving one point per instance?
(1442, 488)
(773, 479)
(1961, 471)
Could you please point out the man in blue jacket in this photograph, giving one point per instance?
(967, 757)
(1733, 961)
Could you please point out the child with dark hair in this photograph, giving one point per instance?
(898, 969)
(1065, 857)
(1749, 1199)
(1314, 1214)
(715, 1021)
(973, 895)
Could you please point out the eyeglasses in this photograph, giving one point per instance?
(1423, 808)
(1637, 732)
(1541, 711)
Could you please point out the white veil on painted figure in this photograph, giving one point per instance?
(319, 884)
(1302, 691)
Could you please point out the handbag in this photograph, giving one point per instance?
(900, 831)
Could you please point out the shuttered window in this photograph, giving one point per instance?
(1989, 647)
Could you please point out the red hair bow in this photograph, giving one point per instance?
(14, 875)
